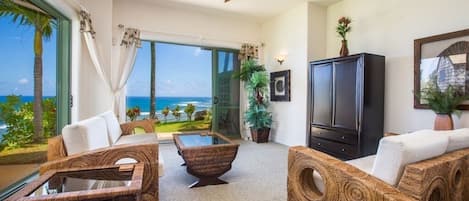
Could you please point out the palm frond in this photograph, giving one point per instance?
(28, 17)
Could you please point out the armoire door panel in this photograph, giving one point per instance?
(345, 94)
(322, 94)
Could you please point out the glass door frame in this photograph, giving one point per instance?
(63, 96)
(215, 66)
(214, 50)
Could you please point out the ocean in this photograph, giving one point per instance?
(201, 103)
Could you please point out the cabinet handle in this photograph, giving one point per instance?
(343, 137)
(343, 150)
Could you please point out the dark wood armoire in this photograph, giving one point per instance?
(346, 105)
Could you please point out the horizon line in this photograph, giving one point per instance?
(126, 96)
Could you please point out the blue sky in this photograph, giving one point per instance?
(17, 60)
(181, 71)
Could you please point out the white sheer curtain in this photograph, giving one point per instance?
(127, 54)
(117, 78)
(88, 34)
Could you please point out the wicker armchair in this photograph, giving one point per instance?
(441, 178)
(142, 152)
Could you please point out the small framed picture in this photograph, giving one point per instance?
(280, 86)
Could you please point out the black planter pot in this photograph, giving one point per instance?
(260, 135)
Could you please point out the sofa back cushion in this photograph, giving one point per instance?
(395, 152)
(458, 139)
(113, 126)
(86, 135)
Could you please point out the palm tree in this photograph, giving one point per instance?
(152, 82)
(43, 25)
(165, 113)
(189, 110)
(176, 113)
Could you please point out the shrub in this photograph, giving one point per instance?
(19, 121)
(133, 113)
(49, 117)
(18, 118)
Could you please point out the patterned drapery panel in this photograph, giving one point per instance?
(131, 36)
(248, 51)
(85, 23)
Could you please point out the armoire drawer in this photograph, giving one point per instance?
(337, 149)
(348, 138)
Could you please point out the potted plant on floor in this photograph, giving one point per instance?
(257, 116)
(444, 103)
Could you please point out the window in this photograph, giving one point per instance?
(22, 147)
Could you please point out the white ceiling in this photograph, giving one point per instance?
(259, 9)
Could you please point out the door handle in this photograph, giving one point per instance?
(215, 100)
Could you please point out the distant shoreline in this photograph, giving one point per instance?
(143, 102)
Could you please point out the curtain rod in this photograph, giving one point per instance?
(199, 37)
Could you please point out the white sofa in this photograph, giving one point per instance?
(395, 152)
(103, 131)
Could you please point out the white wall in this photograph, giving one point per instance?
(389, 28)
(317, 20)
(176, 24)
(93, 95)
(188, 26)
(298, 33)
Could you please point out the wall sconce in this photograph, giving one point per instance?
(280, 59)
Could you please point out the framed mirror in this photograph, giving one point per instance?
(443, 60)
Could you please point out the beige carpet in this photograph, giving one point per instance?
(259, 173)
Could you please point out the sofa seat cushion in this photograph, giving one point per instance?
(137, 138)
(365, 164)
(86, 135)
(113, 126)
(395, 152)
(131, 160)
(140, 138)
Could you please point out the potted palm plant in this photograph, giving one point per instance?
(444, 103)
(257, 116)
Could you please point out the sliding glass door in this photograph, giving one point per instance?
(225, 91)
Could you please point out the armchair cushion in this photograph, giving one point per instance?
(113, 126)
(140, 138)
(86, 135)
(394, 152)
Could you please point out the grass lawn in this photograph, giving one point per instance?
(31, 153)
(179, 126)
(182, 126)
